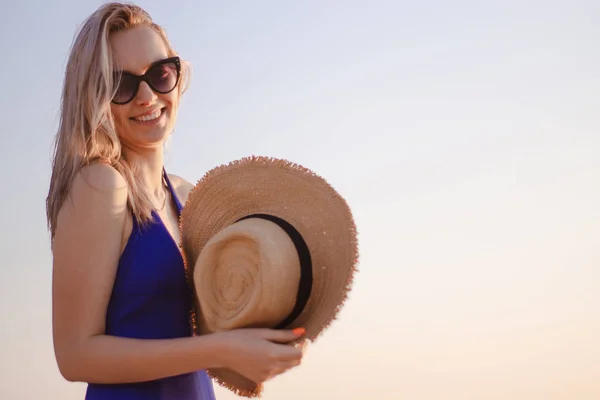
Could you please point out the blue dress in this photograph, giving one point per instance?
(151, 300)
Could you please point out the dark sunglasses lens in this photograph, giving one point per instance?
(163, 77)
(126, 89)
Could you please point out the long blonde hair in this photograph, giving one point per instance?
(86, 132)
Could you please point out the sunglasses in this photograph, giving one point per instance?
(162, 77)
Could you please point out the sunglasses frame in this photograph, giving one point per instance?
(144, 78)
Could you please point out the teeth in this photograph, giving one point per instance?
(149, 117)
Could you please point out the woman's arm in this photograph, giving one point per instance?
(86, 249)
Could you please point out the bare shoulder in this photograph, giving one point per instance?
(182, 187)
(101, 177)
(97, 195)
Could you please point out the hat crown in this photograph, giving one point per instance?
(247, 276)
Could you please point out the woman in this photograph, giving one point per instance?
(120, 300)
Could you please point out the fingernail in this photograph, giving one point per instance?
(299, 331)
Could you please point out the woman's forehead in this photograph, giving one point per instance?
(135, 49)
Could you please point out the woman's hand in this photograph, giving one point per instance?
(261, 354)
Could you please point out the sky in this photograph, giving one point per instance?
(464, 135)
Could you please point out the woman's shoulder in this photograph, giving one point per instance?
(100, 176)
(95, 208)
(181, 186)
(98, 187)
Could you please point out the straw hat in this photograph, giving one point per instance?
(267, 243)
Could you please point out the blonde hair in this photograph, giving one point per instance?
(87, 132)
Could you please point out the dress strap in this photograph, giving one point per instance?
(172, 190)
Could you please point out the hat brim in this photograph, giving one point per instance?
(265, 185)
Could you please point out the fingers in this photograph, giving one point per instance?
(302, 345)
(285, 353)
(274, 369)
(282, 336)
(275, 354)
(288, 365)
(280, 340)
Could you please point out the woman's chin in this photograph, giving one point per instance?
(156, 135)
(147, 139)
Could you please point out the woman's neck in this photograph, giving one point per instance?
(149, 167)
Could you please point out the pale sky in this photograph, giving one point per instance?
(464, 135)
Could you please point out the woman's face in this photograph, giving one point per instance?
(148, 119)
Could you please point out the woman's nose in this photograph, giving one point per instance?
(145, 95)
